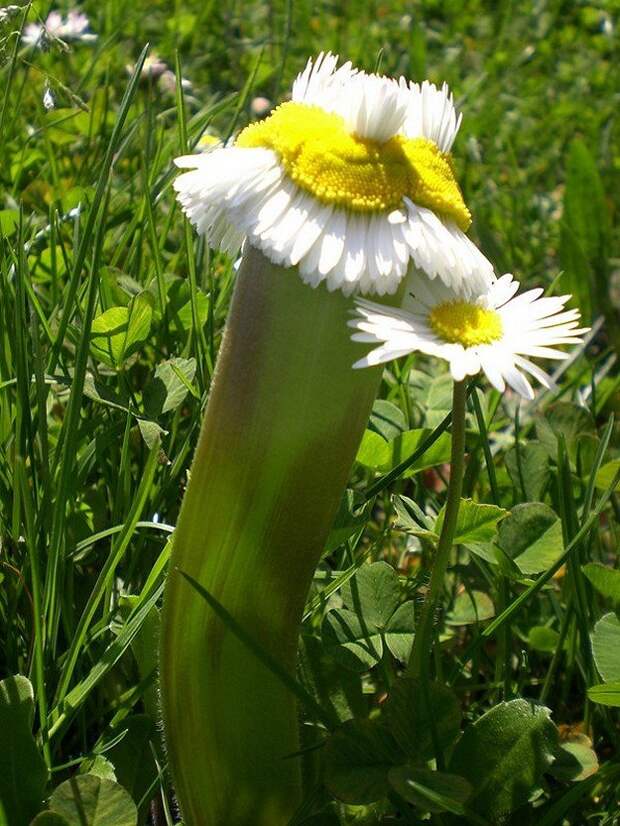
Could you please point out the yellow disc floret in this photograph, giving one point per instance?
(359, 174)
(460, 322)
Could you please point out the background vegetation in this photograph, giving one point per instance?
(111, 314)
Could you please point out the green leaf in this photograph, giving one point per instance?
(358, 757)
(568, 419)
(120, 331)
(529, 469)
(585, 229)
(504, 755)
(532, 537)
(489, 552)
(387, 419)
(108, 335)
(9, 221)
(86, 800)
(542, 638)
(438, 401)
(373, 451)
(180, 305)
(607, 474)
(605, 580)
(470, 607)
(430, 790)
(351, 518)
(607, 694)
(606, 647)
(408, 712)
(49, 819)
(169, 387)
(399, 631)
(373, 593)
(575, 760)
(23, 773)
(407, 443)
(98, 765)
(335, 688)
(356, 644)
(412, 519)
(151, 432)
(475, 522)
(577, 270)
(103, 394)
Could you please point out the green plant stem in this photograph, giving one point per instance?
(283, 423)
(423, 643)
(503, 669)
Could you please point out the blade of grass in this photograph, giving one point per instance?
(93, 212)
(116, 554)
(63, 712)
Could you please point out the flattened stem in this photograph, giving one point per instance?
(285, 416)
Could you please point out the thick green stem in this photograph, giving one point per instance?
(423, 642)
(283, 422)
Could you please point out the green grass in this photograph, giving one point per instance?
(97, 430)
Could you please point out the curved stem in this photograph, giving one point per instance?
(284, 419)
(423, 642)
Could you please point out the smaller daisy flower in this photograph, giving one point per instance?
(493, 333)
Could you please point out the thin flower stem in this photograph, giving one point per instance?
(423, 642)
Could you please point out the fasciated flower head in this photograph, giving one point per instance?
(494, 332)
(350, 180)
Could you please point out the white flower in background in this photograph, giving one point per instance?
(152, 68)
(48, 99)
(168, 83)
(8, 12)
(260, 106)
(493, 333)
(156, 69)
(351, 181)
(74, 27)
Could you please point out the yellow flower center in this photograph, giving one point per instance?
(459, 322)
(359, 174)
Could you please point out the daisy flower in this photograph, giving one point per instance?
(351, 181)
(7, 12)
(75, 26)
(495, 332)
(154, 69)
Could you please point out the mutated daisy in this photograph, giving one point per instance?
(350, 180)
(494, 332)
